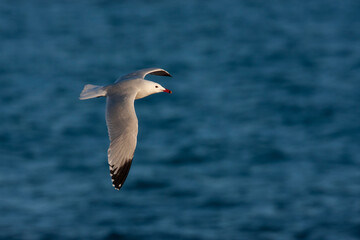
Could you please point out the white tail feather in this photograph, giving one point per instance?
(92, 91)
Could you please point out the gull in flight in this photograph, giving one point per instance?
(121, 118)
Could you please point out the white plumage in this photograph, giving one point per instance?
(121, 118)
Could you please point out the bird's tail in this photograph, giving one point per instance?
(92, 91)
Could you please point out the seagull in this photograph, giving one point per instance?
(121, 119)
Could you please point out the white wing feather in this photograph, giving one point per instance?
(122, 126)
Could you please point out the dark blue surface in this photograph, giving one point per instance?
(260, 139)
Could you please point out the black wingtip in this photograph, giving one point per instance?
(167, 74)
(118, 177)
(161, 73)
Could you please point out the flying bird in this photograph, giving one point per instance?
(121, 119)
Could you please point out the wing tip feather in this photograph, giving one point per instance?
(119, 175)
(161, 72)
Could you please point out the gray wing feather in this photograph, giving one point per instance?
(143, 72)
(122, 126)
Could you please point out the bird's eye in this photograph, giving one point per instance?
(156, 86)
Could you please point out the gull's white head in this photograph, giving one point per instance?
(147, 88)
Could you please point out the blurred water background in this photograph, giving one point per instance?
(260, 139)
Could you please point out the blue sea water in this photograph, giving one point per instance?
(259, 140)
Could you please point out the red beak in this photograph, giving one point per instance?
(167, 90)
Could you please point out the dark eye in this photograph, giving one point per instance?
(156, 86)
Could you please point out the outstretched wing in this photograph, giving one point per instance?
(143, 72)
(122, 126)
